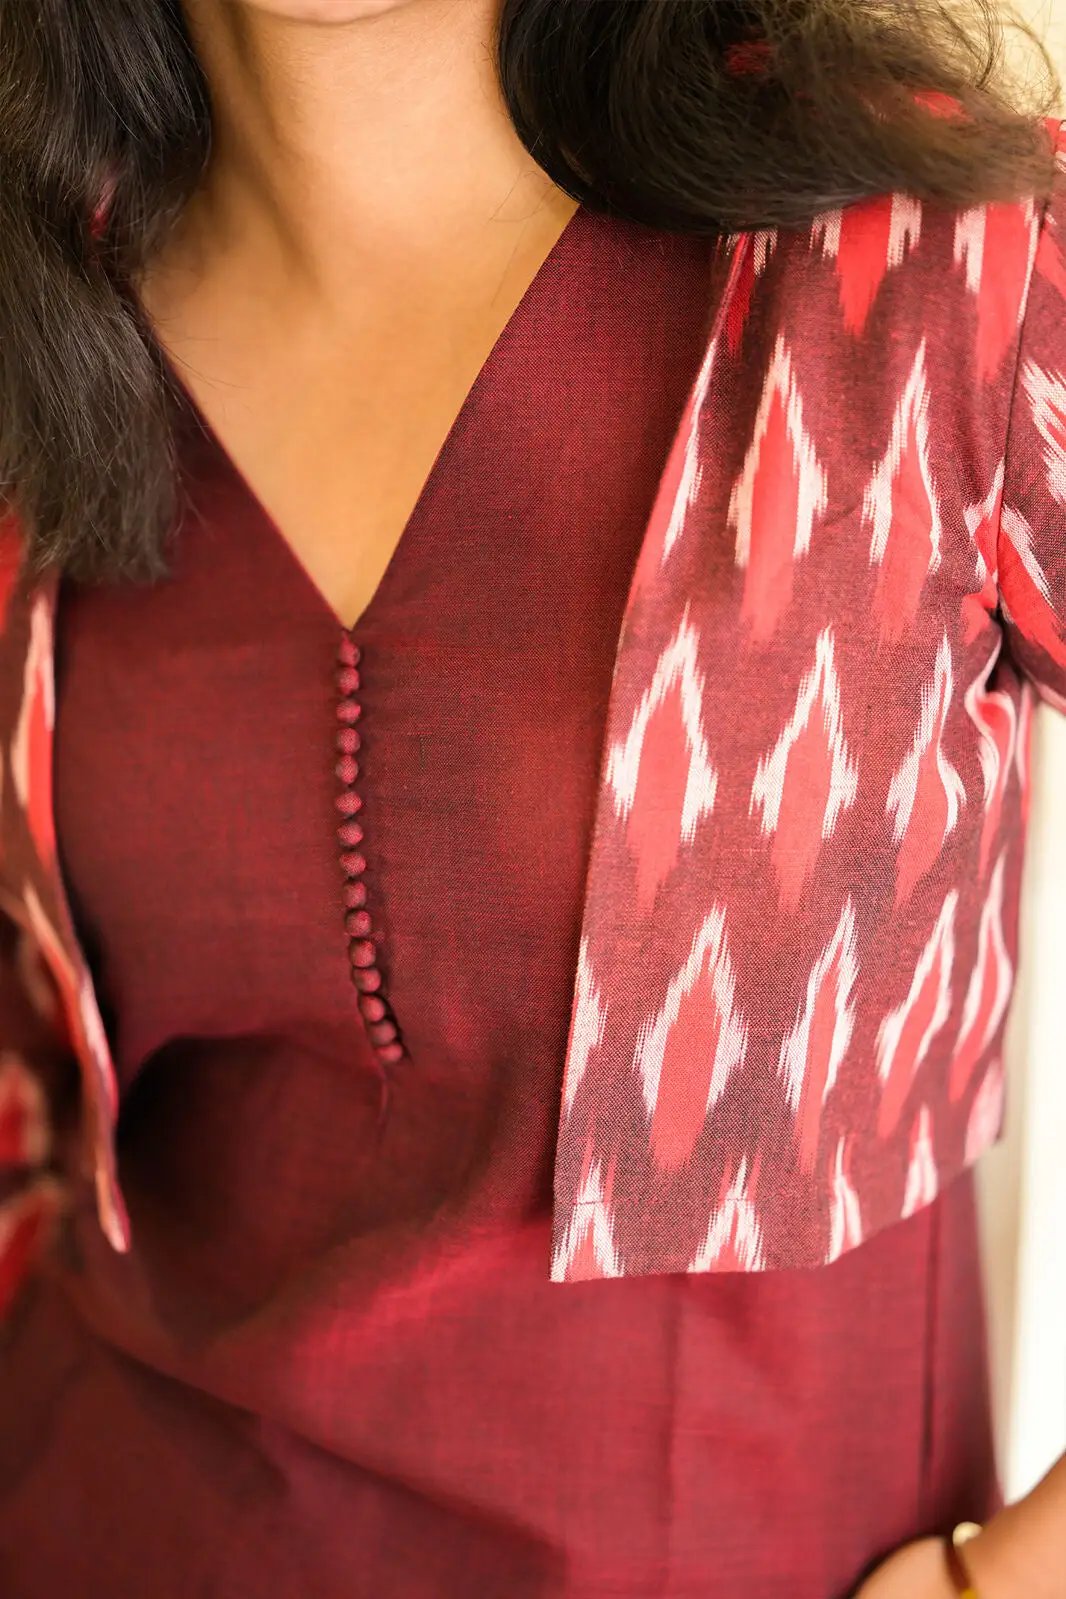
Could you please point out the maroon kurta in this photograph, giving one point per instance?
(333, 1365)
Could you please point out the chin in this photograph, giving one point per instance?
(337, 11)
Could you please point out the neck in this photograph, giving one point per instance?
(378, 139)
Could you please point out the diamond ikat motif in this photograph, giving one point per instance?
(809, 777)
(994, 247)
(812, 1052)
(699, 1026)
(926, 793)
(780, 491)
(900, 506)
(907, 1033)
(867, 242)
(588, 1247)
(662, 770)
(734, 1238)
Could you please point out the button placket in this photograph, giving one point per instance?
(380, 1023)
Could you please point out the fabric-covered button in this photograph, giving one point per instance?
(367, 979)
(349, 711)
(348, 680)
(347, 769)
(348, 651)
(354, 893)
(353, 864)
(357, 924)
(382, 1032)
(348, 740)
(349, 802)
(372, 1007)
(390, 1053)
(361, 952)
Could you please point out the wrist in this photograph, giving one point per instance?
(1000, 1561)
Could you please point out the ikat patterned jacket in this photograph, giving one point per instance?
(800, 930)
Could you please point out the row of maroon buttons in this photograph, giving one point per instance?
(362, 953)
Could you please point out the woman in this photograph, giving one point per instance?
(403, 404)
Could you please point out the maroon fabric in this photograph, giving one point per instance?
(333, 1363)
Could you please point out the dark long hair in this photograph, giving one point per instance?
(699, 115)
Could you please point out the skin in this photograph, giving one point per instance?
(1021, 1554)
(368, 224)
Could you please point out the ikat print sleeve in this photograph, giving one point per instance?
(38, 1070)
(1032, 529)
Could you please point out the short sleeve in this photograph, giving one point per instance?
(1031, 554)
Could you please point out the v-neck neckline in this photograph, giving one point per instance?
(190, 414)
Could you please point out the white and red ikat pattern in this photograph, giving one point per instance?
(800, 945)
(800, 926)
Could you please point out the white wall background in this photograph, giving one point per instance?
(1023, 1180)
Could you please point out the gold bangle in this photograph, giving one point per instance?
(964, 1585)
